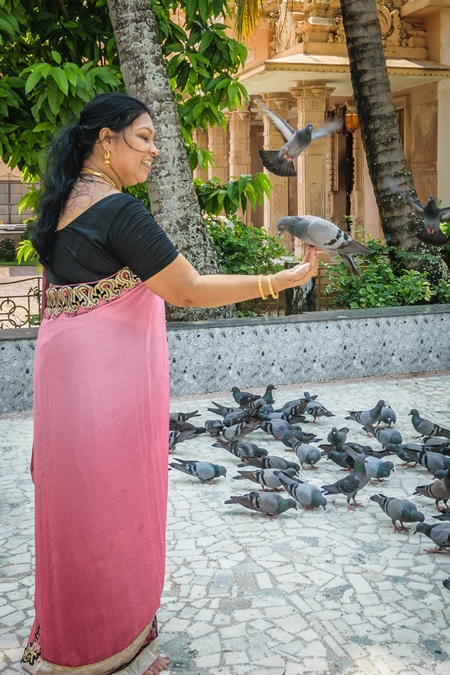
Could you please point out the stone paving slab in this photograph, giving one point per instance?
(311, 592)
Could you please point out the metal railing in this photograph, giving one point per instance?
(19, 308)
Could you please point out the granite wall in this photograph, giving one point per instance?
(316, 346)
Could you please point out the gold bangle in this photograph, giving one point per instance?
(275, 296)
(264, 297)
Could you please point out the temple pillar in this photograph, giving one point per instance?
(219, 147)
(277, 206)
(240, 156)
(311, 99)
(200, 137)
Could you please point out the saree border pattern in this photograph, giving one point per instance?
(69, 299)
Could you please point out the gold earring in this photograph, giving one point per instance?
(107, 155)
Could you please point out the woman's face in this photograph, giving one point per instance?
(133, 151)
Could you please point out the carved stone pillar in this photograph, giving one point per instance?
(200, 137)
(218, 146)
(240, 147)
(311, 98)
(277, 205)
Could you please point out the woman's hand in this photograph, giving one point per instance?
(300, 274)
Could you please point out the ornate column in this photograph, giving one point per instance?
(311, 98)
(218, 145)
(240, 147)
(277, 205)
(200, 137)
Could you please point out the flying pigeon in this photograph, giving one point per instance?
(400, 510)
(204, 471)
(366, 416)
(270, 504)
(309, 496)
(425, 427)
(281, 162)
(439, 533)
(432, 215)
(324, 235)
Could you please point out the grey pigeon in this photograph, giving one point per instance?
(408, 452)
(439, 533)
(348, 486)
(337, 436)
(213, 427)
(339, 455)
(425, 427)
(298, 401)
(309, 496)
(271, 504)
(222, 410)
(176, 437)
(433, 461)
(432, 214)
(324, 235)
(267, 478)
(241, 449)
(439, 491)
(281, 162)
(186, 426)
(290, 437)
(276, 428)
(378, 469)
(366, 416)
(388, 415)
(398, 510)
(271, 462)
(307, 454)
(204, 471)
(183, 417)
(238, 430)
(437, 444)
(316, 409)
(383, 435)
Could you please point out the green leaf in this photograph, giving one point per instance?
(57, 57)
(60, 78)
(39, 72)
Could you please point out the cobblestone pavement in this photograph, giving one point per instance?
(311, 592)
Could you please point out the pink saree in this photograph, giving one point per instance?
(100, 472)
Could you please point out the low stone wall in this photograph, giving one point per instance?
(316, 346)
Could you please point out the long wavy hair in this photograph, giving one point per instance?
(66, 155)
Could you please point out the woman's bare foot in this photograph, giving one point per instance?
(161, 663)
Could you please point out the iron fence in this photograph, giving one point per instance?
(20, 308)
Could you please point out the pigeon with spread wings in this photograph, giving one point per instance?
(281, 162)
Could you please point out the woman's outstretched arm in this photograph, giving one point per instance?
(181, 285)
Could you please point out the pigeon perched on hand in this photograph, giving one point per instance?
(400, 510)
(269, 504)
(325, 236)
(281, 162)
(204, 471)
(439, 533)
(425, 427)
(432, 215)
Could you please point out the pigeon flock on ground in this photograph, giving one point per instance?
(275, 485)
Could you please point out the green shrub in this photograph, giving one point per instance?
(7, 250)
(383, 282)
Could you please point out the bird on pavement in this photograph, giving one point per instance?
(183, 417)
(366, 416)
(384, 435)
(439, 491)
(267, 478)
(324, 235)
(309, 496)
(425, 427)
(270, 504)
(204, 471)
(241, 449)
(281, 162)
(270, 462)
(439, 533)
(398, 510)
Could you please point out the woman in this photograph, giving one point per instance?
(102, 395)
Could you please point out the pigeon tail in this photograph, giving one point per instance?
(436, 238)
(273, 162)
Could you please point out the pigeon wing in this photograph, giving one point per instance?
(444, 214)
(279, 123)
(326, 130)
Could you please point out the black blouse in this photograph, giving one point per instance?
(116, 232)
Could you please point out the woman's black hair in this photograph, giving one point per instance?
(67, 153)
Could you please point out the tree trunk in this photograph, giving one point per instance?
(379, 130)
(172, 196)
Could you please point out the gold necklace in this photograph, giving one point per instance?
(100, 175)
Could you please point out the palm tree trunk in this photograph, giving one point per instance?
(379, 128)
(172, 196)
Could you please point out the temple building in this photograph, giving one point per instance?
(298, 66)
